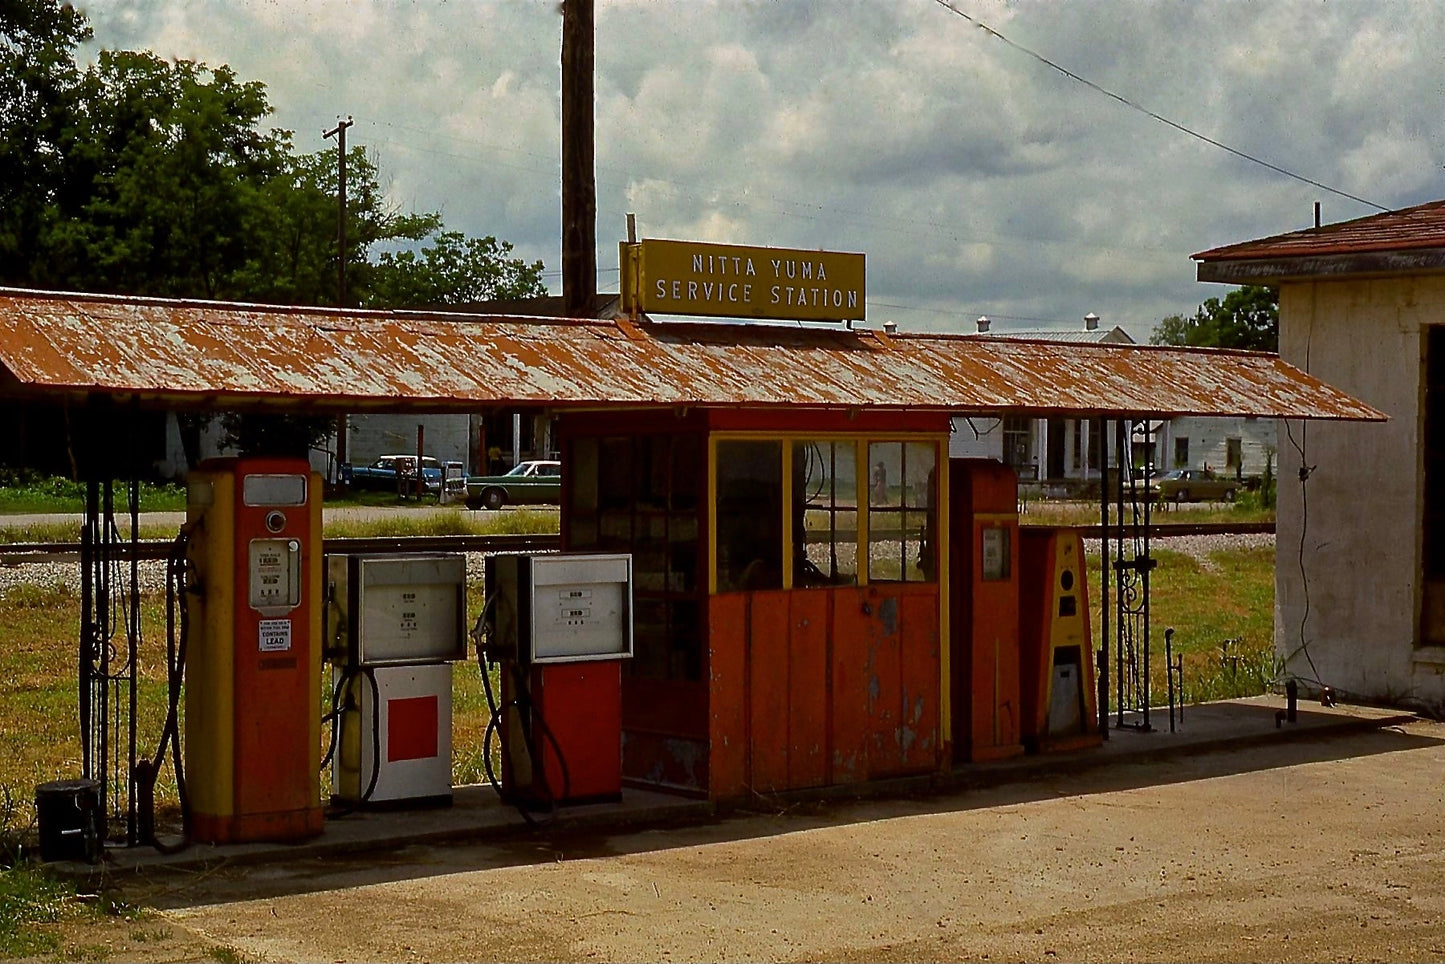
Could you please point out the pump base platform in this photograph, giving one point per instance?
(438, 801)
(290, 826)
(478, 815)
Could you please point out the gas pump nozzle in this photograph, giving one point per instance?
(491, 645)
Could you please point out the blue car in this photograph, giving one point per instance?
(390, 473)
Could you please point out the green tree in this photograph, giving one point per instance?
(166, 167)
(39, 84)
(297, 264)
(1248, 317)
(144, 176)
(453, 270)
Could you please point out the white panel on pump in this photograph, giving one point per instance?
(400, 608)
(565, 607)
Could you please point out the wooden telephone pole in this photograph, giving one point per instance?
(339, 132)
(579, 185)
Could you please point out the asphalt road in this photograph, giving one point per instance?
(1329, 849)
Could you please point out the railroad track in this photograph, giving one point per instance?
(22, 552)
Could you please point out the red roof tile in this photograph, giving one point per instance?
(1422, 226)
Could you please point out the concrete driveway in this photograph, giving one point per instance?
(1327, 848)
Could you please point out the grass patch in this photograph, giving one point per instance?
(1051, 513)
(456, 522)
(30, 898)
(1222, 613)
(27, 492)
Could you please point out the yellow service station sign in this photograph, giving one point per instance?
(735, 281)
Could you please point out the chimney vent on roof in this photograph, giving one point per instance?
(983, 323)
(1091, 322)
(890, 327)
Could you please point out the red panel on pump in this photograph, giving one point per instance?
(411, 728)
(581, 704)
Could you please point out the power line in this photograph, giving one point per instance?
(948, 5)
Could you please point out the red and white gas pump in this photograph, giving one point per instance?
(557, 626)
(253, 661)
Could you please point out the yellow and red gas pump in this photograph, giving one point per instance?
(1057, 657)
(253, 659)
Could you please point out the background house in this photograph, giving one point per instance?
(1060, 456)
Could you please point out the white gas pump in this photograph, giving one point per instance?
(394, 624)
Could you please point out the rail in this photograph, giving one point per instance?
(16, 553)
(20, 552)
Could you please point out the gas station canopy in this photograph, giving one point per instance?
(235, 356)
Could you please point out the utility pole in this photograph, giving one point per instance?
(579, 185)
(339, 131)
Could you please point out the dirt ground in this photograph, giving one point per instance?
(1332, 849)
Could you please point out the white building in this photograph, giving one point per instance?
(1360, 551)
(1060, 456)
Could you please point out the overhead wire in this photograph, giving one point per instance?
(1132, 105)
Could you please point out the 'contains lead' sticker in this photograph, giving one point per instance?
(275, 635)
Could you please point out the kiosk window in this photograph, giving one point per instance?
(749, 515)
(825, 513)
(902, 477)
(638, 494)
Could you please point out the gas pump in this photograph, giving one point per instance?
(253, 663)
(557, 626)
(394, 623)
(1056, 653)
(984, 602)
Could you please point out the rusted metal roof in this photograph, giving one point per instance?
(220, 355)
(1411, 239)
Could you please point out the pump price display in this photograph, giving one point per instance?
(575, 606)
(275, 635)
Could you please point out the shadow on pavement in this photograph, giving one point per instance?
(393, 857)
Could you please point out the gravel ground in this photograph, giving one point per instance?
(152, 574)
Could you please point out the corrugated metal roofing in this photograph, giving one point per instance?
(227, 355)
(1422, 226)
(1096, 336)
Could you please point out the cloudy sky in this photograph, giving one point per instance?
(976, 178)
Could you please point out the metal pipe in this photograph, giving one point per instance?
(1144, 562)
(1169, 671)
(1103, 654)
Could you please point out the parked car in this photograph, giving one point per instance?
(383, 475)
(529, 483)
(1194, 485)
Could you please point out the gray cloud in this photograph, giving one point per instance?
(976, 179)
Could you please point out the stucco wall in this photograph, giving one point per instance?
(1348, 546)
(445, 437)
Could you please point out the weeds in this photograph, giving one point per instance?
(26, 491)
(457, 522)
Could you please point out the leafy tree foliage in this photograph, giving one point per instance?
(1248, 317)
(454, 270)
(139, 175)
(39, 83)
